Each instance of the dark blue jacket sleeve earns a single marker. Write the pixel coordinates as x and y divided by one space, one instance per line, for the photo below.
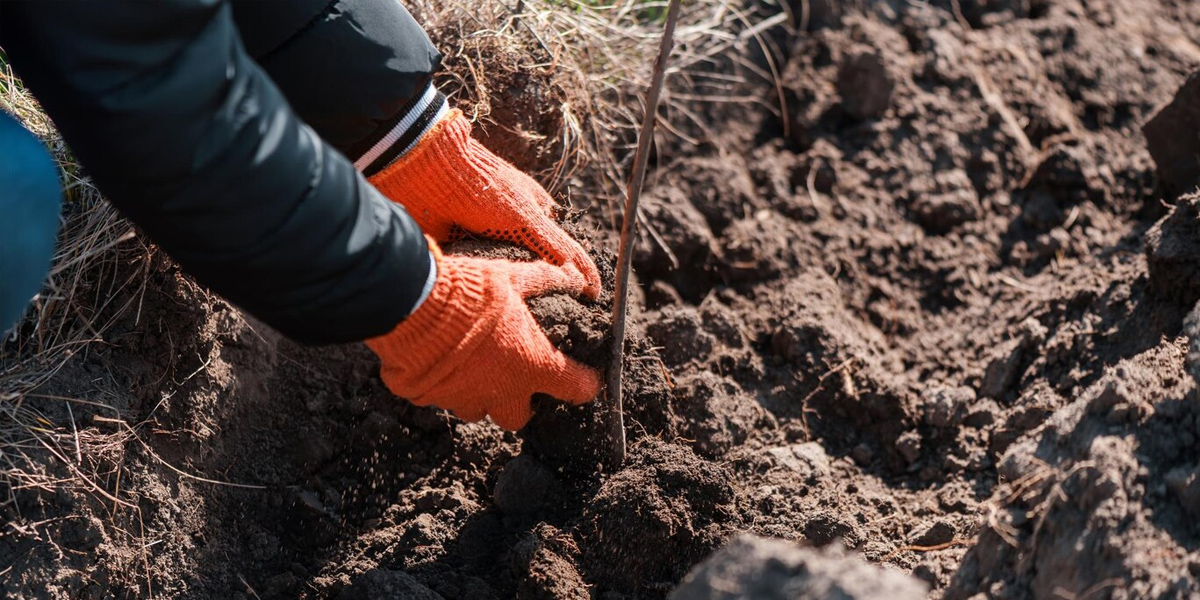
350 68
194 143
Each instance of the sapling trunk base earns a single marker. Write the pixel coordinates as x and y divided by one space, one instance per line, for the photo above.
612 405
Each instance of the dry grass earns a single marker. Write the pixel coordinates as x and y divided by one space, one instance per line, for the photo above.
597 60
98 254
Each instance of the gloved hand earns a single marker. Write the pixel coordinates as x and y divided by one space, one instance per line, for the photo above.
448 179
473 347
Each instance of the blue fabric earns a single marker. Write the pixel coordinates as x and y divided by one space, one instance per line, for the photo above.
30 198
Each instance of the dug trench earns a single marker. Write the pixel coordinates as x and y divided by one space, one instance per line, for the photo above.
926 311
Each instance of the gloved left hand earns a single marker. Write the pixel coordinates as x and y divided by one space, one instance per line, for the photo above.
473 347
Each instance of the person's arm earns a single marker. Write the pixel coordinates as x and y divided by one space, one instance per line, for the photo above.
359 72
189 138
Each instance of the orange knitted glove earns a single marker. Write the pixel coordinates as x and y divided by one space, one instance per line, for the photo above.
450 180
473 347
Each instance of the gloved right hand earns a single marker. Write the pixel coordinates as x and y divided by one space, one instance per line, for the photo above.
473 347
450 180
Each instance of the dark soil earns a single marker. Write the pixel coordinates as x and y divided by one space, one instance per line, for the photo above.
921 311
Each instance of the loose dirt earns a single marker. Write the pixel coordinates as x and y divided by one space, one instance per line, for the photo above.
921 310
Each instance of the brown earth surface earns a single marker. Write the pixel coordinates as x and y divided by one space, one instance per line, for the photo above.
921 310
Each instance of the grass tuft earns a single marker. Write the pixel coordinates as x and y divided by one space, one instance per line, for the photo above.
97 255
589 62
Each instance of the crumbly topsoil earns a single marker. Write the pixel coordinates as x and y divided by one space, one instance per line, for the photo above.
910 311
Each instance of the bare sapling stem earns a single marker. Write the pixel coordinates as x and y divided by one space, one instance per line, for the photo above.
614 413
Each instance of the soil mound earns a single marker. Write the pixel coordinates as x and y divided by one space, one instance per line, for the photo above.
910 298
1101 500
662 513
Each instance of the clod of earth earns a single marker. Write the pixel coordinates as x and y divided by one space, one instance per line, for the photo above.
756 568
1173 251
665 511
1172 142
